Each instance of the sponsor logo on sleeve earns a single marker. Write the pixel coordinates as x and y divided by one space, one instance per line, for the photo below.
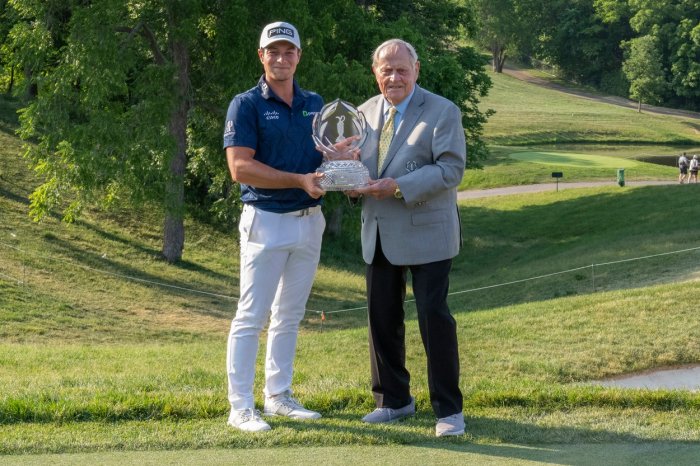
229 128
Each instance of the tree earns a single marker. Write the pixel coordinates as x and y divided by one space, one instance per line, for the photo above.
507 27
643 68
675 26
111 114
573 38
497 29
685 68
132 94
29 46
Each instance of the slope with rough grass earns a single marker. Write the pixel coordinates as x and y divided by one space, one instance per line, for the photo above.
104 348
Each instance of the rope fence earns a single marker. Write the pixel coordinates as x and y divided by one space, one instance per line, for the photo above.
125 277
338 311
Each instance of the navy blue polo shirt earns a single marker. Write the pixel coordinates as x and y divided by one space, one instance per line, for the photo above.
281 138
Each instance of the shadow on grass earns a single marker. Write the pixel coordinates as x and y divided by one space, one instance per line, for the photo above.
497 438
421 428
203 301
545 238
593 453
504 249
14 197
132 243
9 120
137 245
572 234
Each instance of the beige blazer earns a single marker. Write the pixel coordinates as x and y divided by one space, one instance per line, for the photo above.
427 158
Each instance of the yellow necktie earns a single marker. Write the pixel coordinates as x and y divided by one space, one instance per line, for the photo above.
385 138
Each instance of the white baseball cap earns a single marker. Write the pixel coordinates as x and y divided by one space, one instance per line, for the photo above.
280 30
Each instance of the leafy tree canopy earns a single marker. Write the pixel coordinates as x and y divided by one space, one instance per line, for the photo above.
131 95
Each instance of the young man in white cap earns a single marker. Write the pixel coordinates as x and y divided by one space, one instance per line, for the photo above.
270 152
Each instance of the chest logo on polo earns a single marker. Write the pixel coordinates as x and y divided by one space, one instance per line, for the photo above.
271 115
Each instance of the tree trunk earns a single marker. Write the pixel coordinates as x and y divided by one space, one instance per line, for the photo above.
639 106
498 58
174 227
335 221
11 84
32 89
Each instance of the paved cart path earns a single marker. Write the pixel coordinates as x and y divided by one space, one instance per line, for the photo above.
543 187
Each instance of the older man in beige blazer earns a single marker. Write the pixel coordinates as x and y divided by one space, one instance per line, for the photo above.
416 155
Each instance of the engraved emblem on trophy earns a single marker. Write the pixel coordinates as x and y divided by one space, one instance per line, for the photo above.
334 124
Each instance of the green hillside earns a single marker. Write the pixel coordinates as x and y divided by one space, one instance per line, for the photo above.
564 129
527 114
103 347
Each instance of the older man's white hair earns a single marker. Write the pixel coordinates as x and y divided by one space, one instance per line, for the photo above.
395 43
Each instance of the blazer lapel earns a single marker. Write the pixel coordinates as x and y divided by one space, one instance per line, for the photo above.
373 115
408 122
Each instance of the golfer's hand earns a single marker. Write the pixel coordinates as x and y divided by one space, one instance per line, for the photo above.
311 183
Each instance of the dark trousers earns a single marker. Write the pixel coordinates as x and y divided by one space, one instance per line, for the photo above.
386 291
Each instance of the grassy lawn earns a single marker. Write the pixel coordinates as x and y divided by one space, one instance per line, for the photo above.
109 355
512 166
133 366
419 454
534 120
527 115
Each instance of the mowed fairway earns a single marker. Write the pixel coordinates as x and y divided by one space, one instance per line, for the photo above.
427 454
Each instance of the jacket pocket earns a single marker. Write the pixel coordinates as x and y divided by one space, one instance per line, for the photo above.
426 218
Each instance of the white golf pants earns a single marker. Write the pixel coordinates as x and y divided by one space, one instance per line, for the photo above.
279 257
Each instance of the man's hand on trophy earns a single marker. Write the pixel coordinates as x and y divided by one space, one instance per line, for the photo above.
352 193
348 149
382 188
311 183
343 150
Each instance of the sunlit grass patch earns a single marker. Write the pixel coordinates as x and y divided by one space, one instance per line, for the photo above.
570 159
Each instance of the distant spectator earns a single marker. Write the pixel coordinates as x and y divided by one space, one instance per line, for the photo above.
694 169
682 168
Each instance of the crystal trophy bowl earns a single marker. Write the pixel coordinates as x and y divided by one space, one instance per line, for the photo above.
343 175
332 127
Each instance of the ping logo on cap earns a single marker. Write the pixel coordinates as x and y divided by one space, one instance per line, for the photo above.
280 31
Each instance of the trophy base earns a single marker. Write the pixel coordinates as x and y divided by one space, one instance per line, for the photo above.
343 175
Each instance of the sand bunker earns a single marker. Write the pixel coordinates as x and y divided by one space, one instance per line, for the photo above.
678 378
